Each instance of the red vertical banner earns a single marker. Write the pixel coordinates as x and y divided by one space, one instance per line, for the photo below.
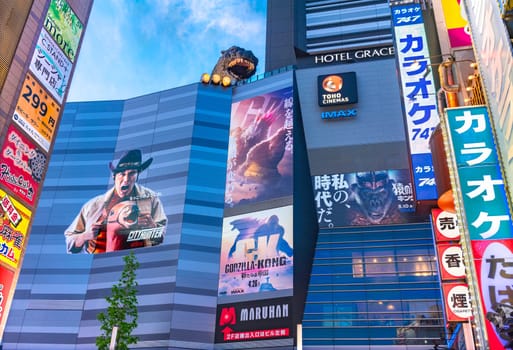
6 283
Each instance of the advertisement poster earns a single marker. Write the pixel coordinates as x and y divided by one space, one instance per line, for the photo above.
364 198
254 320
50 66
22 166
257 252
126 216
260 149
6 283
36 112
14 223
493 260
64 26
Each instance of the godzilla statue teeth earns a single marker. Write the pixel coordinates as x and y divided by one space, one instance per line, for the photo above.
235 64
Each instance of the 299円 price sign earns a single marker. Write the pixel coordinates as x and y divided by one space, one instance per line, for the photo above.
37 112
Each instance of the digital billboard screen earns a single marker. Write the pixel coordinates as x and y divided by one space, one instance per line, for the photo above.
363 198
260 149
257 252
128 215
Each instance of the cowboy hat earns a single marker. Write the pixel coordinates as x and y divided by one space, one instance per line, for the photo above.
130 160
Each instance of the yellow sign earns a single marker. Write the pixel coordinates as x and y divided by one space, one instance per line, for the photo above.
14 224
37 112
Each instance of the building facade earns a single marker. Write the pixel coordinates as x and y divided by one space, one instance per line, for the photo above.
40 42
348 260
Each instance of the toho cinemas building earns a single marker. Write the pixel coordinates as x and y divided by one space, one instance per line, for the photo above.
292 210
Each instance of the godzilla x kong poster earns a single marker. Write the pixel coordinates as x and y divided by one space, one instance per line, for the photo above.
260 149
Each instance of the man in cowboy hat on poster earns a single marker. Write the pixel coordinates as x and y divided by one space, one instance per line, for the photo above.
126 216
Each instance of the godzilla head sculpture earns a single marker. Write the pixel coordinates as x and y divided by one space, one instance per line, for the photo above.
235 64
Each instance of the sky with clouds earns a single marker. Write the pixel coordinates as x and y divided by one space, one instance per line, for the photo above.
132 48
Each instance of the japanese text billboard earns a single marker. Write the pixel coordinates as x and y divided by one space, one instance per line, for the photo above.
260 149
50 66
257 252
364 198
37 113
255 320
419 94
22 166
486 209
64 27
14 224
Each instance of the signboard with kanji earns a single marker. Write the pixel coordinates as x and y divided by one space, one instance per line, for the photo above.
37 112
14 224
457 302
445 225
21 166
419 94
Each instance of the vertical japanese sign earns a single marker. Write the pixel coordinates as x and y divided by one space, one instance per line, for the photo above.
22 166
419 95
37 113
485 206
64 27
51 66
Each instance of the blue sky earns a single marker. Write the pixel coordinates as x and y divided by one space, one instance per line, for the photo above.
132 48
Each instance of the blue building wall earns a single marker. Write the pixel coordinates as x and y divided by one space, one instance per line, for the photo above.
374 286
59 295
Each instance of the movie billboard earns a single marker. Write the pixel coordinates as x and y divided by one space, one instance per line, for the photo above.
419 94
50 66
64 27
14 224
128 215
363 198
22 166
37 113
260 149
257 252
254 320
